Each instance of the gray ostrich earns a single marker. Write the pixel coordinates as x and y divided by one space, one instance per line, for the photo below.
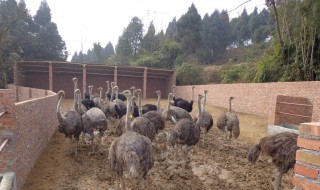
175 112
186 132
132 152
98 100
228 121
69 122
206 117
143 125
156 116
282 148
94 119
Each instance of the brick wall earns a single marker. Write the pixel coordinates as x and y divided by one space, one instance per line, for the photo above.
307 168
256 98
28 133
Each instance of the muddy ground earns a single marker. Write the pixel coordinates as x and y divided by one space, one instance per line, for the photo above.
207 166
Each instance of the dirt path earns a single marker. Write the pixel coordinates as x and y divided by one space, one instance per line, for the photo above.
207 167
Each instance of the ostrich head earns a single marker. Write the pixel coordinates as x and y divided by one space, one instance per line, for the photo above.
75 81
61 94
205 91
158 92
231 98
138 91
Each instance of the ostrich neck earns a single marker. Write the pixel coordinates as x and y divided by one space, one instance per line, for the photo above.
158 103
192 95
139 104
112 93
174 91
74 93
79 104
230 105
90 93
199 107
204 102
129 102
168 102
100 96
58 109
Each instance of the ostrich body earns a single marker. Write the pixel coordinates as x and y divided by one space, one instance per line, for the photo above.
282 148
131 151
184 104
186 132
94 119
155 116
175 112
98 100
70 122
228 121
206 117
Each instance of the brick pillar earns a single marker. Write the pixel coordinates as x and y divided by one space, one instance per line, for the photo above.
115 75
84 78
170 82
7 154
307 168
145 73
50 77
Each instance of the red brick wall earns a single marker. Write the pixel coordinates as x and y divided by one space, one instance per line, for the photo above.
256 98
29 126
307 166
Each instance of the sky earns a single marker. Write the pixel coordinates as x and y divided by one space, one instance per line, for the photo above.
84 22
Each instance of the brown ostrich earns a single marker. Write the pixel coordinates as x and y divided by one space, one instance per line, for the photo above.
186 132
282 148
228 121
69 122
155 116
132 152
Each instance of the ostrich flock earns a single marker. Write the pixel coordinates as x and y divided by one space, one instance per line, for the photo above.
136 126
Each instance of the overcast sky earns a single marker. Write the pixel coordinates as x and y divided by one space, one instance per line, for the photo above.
88 21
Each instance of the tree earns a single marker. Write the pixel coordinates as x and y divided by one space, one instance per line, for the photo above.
12 30
189 28
189 74
149 41
130 41
47 42
172 30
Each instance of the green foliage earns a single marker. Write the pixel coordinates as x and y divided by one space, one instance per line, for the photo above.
241 73
189 74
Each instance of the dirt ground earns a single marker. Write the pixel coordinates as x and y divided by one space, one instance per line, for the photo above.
207 166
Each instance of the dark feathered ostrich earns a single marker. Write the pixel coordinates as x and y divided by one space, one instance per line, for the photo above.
87 100
184 104
132 152
174 98
186 132
228 121
69 122
147 107
282 148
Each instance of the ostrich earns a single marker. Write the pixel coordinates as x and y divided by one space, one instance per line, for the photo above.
119 96
70 122
87 101
282 148
228 121
186 132
118 101
155 116
207 120
94 119
174 94
184 104
143 125
147 107
175 112
132 152
121 126
108 93
98 100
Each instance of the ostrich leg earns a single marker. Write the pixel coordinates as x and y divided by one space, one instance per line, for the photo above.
277 180
122 184
225 137
141 184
